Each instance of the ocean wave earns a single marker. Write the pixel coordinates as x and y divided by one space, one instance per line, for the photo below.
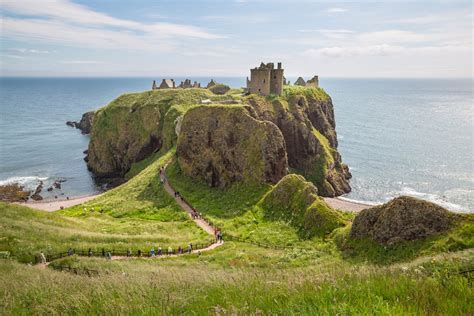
358 201
434 198
29 182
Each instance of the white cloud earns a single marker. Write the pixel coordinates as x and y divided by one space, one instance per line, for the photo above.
336 10
393 36
247 18
68 23
382 50
82 62
30 51
329 33
350 51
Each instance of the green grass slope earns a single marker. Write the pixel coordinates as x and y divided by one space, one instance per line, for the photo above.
239 280
294 200
138 215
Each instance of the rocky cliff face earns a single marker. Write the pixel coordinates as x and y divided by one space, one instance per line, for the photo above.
221 144
85 124
306 118
134 126
224 144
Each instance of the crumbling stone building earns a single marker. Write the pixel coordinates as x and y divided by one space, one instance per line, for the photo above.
313 82
266 80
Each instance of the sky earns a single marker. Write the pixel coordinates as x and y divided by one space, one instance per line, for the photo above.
408 39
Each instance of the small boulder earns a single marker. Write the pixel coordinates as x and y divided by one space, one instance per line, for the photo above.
13 193
403 218
219 89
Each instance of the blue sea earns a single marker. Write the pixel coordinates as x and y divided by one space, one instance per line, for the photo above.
398 136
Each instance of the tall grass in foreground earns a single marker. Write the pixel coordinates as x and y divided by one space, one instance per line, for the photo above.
193 286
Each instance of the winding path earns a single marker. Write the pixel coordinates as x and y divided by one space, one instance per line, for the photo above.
186 207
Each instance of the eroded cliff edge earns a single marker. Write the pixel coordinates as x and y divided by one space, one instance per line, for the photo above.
265 137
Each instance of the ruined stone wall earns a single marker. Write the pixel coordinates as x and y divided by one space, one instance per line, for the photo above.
276 81
260 81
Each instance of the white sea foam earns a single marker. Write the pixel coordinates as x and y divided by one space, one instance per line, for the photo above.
358 201
29 182
442 201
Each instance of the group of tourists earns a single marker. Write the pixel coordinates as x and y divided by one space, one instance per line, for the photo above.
195 214
218 235
170 251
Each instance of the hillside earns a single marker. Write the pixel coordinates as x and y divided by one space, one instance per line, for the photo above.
134 126
236 164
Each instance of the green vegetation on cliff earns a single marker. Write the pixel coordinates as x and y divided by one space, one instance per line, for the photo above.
135 126
295 200
313 265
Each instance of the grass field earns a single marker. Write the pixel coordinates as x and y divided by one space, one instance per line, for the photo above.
326 275
238 279
137 215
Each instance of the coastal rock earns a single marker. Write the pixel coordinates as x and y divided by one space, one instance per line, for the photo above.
294 200
305 116
36 195
13 193
85 124
134 126
71 123
403 218
222 145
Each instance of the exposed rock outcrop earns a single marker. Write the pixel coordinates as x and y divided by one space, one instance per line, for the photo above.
224 144
295 200
13 193
403 218
134 126
85 124
306 118
36 195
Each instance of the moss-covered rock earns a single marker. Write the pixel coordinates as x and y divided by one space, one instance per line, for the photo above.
306 118
403 218
134 126
219 89
223 144
295 200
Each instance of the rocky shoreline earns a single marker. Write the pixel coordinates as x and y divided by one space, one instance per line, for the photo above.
15 192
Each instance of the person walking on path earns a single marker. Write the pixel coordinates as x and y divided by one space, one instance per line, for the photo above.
160 252
170 251
129 252
152 252
89 253
190 248
42 258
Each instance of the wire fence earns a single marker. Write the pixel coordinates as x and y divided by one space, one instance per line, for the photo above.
154 252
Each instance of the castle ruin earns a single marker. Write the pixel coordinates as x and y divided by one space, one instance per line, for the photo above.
186 84
266 80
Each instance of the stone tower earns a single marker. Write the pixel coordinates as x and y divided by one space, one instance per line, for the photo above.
266 80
